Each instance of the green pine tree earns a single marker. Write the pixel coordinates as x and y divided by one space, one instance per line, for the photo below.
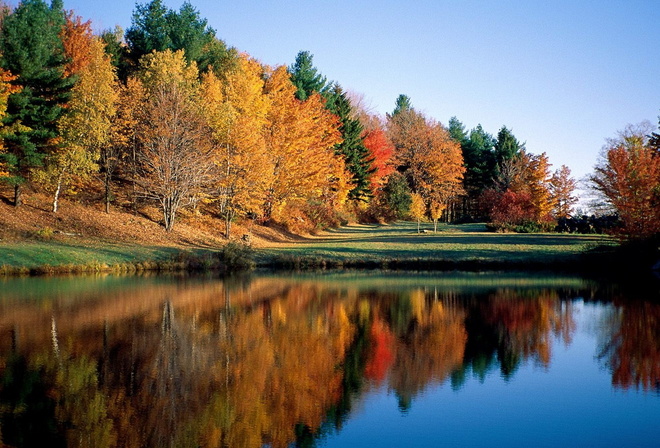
507 146
156 27
457 130
306 77
479 159
402 104
356 155
32 50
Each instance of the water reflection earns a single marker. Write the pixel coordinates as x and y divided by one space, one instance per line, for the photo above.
255 361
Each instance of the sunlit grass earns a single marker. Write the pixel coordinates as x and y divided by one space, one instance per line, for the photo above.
453 243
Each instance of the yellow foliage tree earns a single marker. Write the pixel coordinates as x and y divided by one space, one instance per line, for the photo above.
168 67
300 140
417 208
539 186
85 128
123 135
236 110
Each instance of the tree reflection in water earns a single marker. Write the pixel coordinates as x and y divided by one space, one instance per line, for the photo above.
274 361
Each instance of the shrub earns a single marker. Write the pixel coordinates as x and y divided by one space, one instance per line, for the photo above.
236 256
45 234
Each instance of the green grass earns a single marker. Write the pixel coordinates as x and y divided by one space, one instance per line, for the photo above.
397 245
453 244
35 254
54 257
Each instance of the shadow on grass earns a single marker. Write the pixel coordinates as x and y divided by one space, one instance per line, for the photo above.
466 239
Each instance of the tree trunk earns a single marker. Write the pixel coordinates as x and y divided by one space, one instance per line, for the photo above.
418 226
107 189
56 198
169 212
18 195
227 224
435 226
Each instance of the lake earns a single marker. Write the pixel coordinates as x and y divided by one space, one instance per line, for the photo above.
385 359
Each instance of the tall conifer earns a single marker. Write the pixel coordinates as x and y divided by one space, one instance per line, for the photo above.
32 50
306 77
358 159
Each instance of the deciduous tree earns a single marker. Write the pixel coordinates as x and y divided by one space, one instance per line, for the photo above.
562 188
85 129
381 152
237 111
301 139
628 178
427 155
417 208
174 146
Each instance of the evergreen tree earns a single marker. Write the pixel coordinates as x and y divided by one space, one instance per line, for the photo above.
654 140
402 104
507 146
479 157
306 77
397 195
356 154
155 27
119 55
32 50
457 130
149 30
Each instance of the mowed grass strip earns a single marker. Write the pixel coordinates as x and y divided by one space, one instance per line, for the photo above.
454 243
34 254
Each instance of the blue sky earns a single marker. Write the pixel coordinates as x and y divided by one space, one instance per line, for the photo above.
562 74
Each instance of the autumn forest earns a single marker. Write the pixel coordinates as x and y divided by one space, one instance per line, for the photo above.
167 114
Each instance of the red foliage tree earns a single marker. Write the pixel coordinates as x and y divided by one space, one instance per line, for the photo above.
509 207
381 150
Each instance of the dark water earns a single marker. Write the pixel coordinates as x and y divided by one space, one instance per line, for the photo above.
337 360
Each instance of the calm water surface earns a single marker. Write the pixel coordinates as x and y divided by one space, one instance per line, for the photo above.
333 360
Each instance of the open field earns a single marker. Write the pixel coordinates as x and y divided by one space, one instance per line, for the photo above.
453 244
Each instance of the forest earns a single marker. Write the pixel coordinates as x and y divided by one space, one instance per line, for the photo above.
167 114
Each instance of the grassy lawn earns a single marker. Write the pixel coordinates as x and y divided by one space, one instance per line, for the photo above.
355 245
454 243
55 253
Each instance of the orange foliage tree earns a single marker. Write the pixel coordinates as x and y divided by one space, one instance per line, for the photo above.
628 178
300 138
430 158
174 148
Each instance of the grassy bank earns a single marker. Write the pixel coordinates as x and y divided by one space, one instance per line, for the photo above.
399 246
395 246
55 257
